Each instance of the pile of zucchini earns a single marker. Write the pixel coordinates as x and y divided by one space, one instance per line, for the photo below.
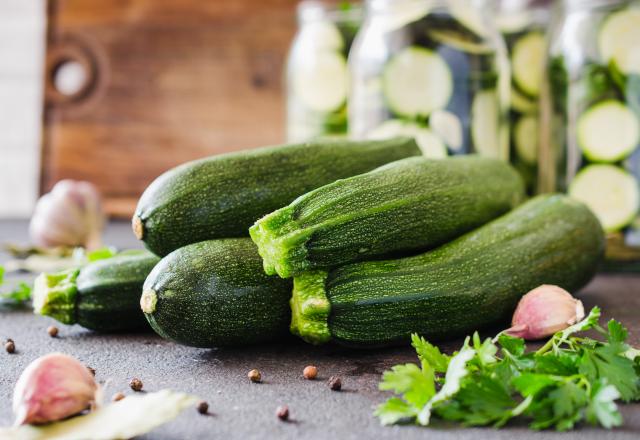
369 245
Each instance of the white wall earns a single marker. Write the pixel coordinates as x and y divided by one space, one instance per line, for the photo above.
22 52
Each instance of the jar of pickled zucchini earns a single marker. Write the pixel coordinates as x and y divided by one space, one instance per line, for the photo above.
432 69
523 25
591 117
317 80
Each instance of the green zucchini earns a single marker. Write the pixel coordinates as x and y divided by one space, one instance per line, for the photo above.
618 40
221 196
611 192
215 293
102 296
409 205
463 286
608 132
527 61
417 81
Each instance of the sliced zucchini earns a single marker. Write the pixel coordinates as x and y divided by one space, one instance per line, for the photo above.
521 103
525 137
618 40
401 14
447 126
527 62
417 81
485 123
611 192
431 145
321 82
608 131
321 35
513 21
468 15
452 38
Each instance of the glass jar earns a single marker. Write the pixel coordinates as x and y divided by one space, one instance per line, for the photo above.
316 73
591 117
434 70
523 25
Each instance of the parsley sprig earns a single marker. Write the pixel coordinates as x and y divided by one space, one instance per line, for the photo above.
18 296
571 379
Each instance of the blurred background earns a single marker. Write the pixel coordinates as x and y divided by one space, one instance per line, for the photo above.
117 91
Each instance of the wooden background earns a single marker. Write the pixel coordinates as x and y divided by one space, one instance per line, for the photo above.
169 81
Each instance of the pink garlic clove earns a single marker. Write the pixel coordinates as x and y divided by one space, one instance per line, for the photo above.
544 311
70 215
52 388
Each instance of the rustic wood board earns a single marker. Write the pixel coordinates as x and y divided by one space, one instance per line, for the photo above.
169 81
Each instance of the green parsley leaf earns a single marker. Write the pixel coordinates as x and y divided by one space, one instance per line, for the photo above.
617 332
415 385
609 362
602 408
394 410
485 351
430 354
455 373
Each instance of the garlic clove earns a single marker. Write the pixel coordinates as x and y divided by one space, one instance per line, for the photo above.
70 215
544 311
51 388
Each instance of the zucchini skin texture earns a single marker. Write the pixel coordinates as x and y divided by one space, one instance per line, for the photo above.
410 205
215 293
221 196
470 283
109 291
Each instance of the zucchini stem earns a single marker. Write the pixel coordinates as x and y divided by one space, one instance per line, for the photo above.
310 308
54 295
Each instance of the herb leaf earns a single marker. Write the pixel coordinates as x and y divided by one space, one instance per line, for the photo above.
572 379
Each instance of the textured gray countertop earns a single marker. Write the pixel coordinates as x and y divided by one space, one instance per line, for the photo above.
246 411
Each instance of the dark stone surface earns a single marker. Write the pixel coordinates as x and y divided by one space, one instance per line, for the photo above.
245 410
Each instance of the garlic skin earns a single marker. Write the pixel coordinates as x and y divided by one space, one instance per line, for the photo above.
53 387
70 215
544 311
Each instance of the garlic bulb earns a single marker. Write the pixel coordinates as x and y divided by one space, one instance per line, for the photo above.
51 388
544 311
70 215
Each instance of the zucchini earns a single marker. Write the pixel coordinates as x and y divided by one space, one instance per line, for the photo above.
321 81
525 137
431 145
485 124
618 40
608 131
611 192
102 296
417 81
221 196
448 127
215 293
466 285
527 62
409 205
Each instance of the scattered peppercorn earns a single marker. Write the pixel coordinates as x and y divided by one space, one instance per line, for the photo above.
254 375
10 346
283 412
203 407
335 383
136 384
310 372
53 331
92 370
117 397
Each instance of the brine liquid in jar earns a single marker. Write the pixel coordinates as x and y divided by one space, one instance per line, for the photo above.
433 70
317 79
592 105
